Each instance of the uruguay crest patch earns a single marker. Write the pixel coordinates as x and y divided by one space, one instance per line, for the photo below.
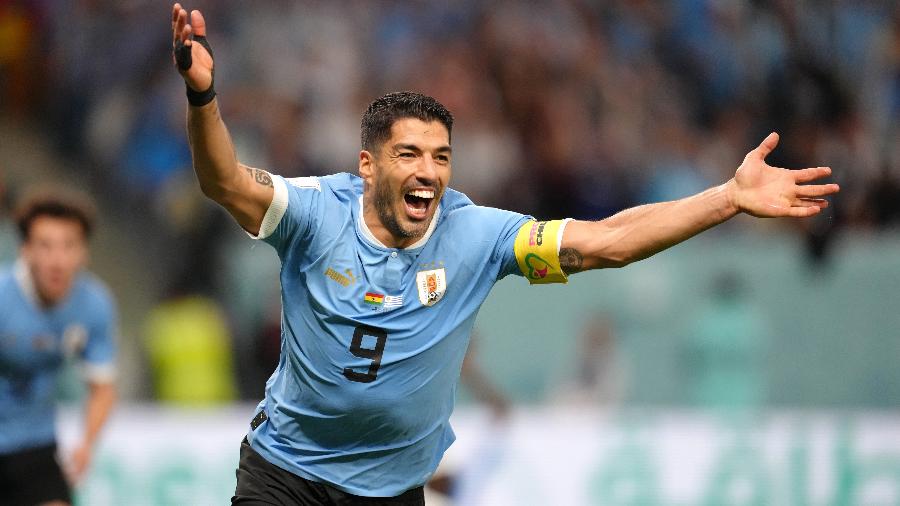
431 285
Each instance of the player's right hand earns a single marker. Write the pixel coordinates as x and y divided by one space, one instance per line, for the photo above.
196 67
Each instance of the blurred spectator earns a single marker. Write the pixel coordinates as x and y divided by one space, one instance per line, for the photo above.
600 373
454 482
189 348
19 77
155 147
474 379
724 349
882 200
9 242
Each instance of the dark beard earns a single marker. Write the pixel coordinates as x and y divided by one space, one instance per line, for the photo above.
382 202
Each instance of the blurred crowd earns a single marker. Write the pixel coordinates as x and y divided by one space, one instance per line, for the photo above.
573 108
564 107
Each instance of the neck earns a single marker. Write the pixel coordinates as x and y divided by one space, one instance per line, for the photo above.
45 301
30 288
380 231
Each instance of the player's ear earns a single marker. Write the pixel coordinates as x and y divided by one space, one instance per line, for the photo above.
366 166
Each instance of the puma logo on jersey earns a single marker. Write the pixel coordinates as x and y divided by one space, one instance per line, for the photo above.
345 279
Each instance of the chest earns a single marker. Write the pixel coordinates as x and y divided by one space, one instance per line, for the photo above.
30 338
384 280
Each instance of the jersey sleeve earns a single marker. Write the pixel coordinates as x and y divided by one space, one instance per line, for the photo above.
99 352
294 212
525 247
505 225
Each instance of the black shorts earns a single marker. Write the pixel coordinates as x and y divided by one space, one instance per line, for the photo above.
261 482
32 476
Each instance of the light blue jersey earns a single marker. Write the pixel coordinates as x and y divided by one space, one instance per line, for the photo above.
35 341
373 337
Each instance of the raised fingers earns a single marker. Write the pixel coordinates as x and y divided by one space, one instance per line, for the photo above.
177 20
807 175
766 146
186 35
179 24
816 190
198 23
803 212
820 203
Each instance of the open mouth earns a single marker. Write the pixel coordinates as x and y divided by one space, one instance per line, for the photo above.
417 203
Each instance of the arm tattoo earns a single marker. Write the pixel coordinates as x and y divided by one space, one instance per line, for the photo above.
570 260
260 176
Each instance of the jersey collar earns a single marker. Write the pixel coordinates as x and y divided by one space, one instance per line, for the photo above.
25 282
364 229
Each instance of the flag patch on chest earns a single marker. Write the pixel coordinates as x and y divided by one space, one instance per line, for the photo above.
381 302
393 300
376 299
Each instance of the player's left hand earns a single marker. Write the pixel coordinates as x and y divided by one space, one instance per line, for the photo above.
764 191
78 463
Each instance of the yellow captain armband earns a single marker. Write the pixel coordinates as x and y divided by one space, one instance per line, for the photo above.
537 251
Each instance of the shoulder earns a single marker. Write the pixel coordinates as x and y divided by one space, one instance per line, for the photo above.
6 274
459 213
458 207
94 295
339 182
7 280
342 186
342 181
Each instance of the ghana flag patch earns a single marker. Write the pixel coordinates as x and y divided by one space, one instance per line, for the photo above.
376 299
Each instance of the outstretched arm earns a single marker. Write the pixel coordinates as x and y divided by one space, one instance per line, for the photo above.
244 191
757 189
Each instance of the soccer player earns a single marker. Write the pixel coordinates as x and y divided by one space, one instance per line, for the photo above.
383 273
50 310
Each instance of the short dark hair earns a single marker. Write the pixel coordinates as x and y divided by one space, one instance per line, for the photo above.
57 203
383 112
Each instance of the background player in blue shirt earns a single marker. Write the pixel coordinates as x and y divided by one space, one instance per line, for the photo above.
50 310
383 274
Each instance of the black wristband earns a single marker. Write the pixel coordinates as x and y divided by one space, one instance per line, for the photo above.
200 98
184 60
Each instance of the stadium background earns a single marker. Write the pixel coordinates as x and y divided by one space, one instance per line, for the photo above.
755 364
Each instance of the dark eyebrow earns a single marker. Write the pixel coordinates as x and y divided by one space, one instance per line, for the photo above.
417 149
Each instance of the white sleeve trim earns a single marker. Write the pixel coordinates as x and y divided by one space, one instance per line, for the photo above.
559 234
99 373
275 211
